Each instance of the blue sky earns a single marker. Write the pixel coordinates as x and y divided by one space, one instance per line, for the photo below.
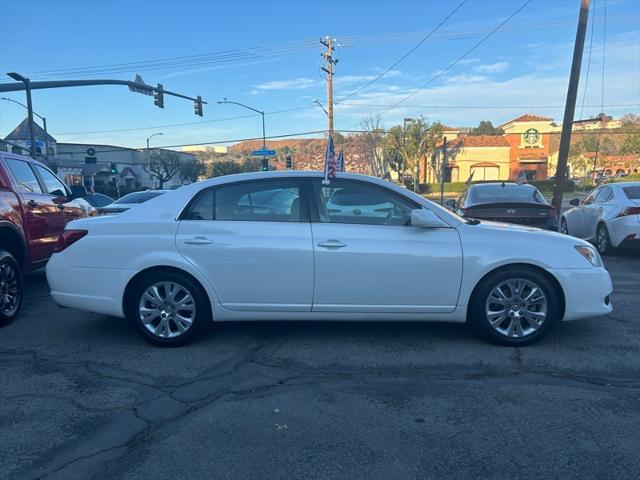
271 61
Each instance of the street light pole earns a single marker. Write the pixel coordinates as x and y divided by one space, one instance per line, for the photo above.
264 135
149 138
44 124
27 86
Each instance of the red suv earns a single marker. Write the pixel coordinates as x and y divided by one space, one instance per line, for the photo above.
35 205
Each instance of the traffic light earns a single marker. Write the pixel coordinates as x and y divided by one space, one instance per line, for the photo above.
114 169
158 96
197 106
265 164
288 161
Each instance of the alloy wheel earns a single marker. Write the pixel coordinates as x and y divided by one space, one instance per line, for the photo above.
167 309
516 308
563 227
9 288
602 240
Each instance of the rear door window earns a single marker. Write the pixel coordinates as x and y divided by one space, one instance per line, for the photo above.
52 183
633 192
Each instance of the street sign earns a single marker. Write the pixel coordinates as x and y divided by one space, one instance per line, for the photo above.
263 152
141 87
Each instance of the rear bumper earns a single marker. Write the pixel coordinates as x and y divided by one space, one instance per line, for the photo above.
98 290
620 229
586 291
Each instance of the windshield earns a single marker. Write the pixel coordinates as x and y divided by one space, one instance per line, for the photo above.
138 197
509 193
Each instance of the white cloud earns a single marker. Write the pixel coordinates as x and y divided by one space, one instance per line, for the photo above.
492 67
292 84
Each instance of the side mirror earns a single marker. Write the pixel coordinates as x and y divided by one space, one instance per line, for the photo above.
451 204
424 218
574 201
78 191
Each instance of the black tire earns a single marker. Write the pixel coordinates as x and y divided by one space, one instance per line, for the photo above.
564 229
479 320
11 288
199 321
603 242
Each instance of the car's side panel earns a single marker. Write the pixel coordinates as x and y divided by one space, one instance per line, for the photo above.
256 266
384 268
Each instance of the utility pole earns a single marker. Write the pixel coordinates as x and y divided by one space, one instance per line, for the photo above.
569 111
443 169
27 87
328 57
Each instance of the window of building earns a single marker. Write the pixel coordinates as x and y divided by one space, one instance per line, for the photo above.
90 160
16 150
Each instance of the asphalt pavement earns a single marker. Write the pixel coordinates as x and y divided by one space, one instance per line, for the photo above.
83 396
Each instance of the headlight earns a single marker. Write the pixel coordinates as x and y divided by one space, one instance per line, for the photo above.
590 254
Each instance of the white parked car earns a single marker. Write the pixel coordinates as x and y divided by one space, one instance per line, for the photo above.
130 200
609 217
265 246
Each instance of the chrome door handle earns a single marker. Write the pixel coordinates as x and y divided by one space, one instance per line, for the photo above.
198 241
332 244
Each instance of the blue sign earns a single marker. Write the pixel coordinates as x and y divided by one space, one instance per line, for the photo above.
264 153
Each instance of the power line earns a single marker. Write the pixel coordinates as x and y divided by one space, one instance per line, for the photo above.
459 59
319 132
415 47
170 125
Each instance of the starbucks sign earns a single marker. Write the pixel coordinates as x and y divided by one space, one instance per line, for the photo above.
531 136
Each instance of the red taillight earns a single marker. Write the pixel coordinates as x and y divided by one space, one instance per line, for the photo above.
629 211
69 237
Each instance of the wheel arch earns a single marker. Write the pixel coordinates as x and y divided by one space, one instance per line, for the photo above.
527 266
13 242
128 290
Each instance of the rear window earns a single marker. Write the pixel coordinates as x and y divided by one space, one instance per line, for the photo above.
138 197
632 193
508 193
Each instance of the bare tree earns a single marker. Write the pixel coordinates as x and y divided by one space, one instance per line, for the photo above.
162 166
191 170
371 143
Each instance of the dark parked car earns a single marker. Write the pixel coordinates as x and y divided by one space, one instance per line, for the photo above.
98 200
506 202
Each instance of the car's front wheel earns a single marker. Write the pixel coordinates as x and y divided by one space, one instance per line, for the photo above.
10 287
169 308
515 307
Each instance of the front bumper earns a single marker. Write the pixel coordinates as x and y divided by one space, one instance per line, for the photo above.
586 291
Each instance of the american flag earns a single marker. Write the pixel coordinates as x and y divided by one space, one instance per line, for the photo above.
341 161
330 166
522 178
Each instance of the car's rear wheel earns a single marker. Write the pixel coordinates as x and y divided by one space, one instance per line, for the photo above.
563 227
603 243
10 287
515 307
169 308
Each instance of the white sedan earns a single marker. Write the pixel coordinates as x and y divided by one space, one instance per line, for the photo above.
608 217
265 246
